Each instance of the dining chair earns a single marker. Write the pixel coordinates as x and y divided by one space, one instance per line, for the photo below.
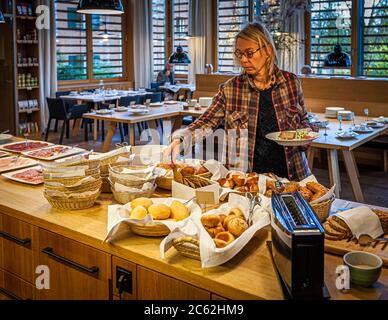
59 112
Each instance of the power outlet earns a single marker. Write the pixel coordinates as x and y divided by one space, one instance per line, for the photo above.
123 280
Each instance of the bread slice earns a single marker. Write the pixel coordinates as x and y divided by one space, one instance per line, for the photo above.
333 233
287 135
339 225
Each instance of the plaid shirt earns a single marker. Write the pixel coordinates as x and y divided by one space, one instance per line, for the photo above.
236 105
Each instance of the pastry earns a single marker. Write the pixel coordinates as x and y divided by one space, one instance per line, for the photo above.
242 189
316 187
291 186
225 236
237 226
252 175
254 188
222 218
268 193
188 170
210 220
306 193
287 135
214 231
139 213
227 219
220 243
160 211
202 170
271 184
238 179
236 212
252 181
317 196
178 211
144 202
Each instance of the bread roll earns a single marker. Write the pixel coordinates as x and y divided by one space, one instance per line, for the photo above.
210 220
222 217
188 170
236 212
139 213
220 243
225 236
227 219
144 202
254 188
237 226
159 211
179 211
238 179
306 193
202 170
214 231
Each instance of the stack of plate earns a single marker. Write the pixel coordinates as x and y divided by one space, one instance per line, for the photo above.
331 112
345 114
205 101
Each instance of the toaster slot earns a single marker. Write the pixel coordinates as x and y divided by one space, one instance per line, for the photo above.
295 212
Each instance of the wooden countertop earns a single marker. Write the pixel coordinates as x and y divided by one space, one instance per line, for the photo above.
250 275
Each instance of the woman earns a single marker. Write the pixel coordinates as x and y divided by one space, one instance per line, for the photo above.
262 99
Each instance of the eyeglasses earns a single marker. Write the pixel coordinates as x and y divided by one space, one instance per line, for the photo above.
248 53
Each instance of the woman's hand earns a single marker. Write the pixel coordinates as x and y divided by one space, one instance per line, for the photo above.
172 151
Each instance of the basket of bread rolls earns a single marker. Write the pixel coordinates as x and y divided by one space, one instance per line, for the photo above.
165 175
219 234
155 217
241 182
192 176
311 192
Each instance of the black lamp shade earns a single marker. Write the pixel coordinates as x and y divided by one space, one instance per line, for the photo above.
337 59
100 7
179 57
2 20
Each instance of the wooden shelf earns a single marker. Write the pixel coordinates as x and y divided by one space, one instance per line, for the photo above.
29 88
29 110
27 41
26 17
22 65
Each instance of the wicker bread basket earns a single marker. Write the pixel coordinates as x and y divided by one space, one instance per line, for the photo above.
89 186
322 209
193 181
151 230
188 247
125 197
72 203
164 182
68 181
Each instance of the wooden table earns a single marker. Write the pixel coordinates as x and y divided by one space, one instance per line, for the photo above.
173 112
346 146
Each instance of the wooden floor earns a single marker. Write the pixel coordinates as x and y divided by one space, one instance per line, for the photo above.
374 182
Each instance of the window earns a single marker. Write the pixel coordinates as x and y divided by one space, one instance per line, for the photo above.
107 47
181 30
71 40
375 46
232 16
84 55
330 25
268 11
158 35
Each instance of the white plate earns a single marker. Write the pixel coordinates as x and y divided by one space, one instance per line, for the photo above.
4 137
138 111
360 129
67 152
9 175
121 109
19 164
4 147
381 119
346 134
373 124
170 102
104 111
156 104
274 136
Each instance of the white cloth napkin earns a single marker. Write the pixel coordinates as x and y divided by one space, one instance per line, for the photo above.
362 220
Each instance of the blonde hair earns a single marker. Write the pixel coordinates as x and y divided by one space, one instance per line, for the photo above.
258 33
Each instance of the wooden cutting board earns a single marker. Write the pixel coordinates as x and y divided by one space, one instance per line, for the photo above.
344 246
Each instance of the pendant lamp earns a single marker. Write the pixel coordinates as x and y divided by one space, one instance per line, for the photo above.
179 56
100 7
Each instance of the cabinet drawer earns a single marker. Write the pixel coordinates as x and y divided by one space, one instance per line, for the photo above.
77 271
155 286
17 248
121 264
12 287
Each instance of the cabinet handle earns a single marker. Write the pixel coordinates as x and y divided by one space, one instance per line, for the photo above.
50 252
23 242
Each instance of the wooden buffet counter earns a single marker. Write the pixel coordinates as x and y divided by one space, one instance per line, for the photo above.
33 232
